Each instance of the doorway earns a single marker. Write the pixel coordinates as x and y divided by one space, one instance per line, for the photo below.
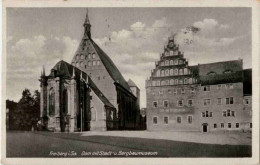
205 127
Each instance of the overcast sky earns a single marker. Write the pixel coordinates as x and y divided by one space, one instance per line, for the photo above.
132 37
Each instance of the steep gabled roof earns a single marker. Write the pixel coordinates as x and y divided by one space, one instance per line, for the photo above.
110 67
65 69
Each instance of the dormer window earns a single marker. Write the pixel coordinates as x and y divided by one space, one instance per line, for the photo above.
227 71
211 73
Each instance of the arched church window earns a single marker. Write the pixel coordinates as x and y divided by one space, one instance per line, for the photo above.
82 56
167 72
162 73
93 114
65 101
171 62
77 64
166 63
158 73
89 63
94 63
93 55
81 64
171 72
51 102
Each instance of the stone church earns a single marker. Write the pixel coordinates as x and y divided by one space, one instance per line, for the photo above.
88 94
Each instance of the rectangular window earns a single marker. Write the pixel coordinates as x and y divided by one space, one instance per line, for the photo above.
222 125
155 120
190 103
210 114
203 114
206 102
219 101
165 104
233 113
246 101
180 103
237 125
178 119
155 104
182 91
229 86
165 120
189 119
229 125
215 125
207 114
224 113
229 100
228 112
206 88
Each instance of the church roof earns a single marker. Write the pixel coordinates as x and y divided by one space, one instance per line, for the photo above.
64 69
110 66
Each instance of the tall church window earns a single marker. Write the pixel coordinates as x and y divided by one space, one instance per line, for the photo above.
158 73
162 73
166 63
181 72
51 102
82 56
93 55
167 72
171 62
171 72
81 64
65 101
89 63
94 63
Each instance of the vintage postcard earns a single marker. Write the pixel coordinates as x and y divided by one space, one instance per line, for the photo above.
112 82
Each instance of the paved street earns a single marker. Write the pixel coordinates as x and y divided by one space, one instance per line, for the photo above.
47 144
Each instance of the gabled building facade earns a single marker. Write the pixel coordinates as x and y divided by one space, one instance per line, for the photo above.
205 97
115 102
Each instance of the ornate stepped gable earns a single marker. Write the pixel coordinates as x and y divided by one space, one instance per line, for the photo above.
89 54
173 68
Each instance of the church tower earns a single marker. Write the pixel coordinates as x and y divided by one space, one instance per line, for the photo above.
87 27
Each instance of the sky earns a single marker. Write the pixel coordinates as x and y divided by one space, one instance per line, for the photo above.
132 37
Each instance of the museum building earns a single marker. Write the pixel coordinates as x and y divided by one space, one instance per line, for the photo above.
205 97
88 94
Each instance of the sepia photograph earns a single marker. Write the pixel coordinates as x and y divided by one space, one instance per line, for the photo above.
129 82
